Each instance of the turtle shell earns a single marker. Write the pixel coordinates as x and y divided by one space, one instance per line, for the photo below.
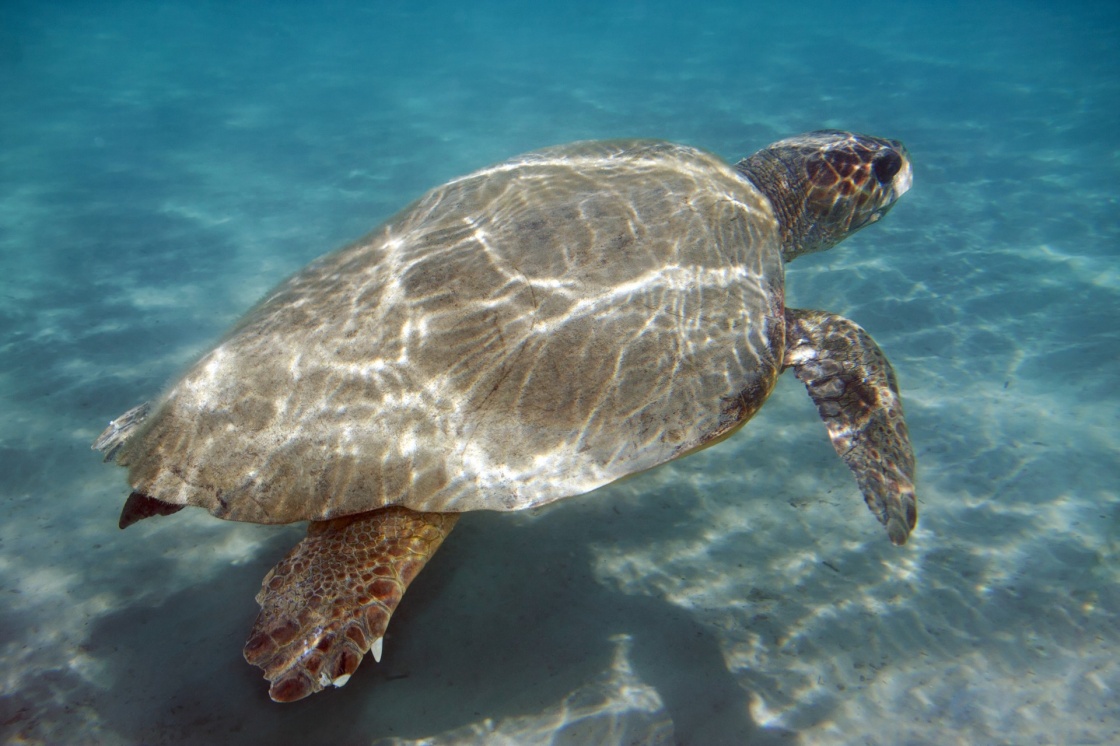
528 332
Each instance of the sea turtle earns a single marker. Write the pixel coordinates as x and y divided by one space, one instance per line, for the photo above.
522 334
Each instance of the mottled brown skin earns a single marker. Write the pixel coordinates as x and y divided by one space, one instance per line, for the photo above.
854 387
522 334
824 186
331 597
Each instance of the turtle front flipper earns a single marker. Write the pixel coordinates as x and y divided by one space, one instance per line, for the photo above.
854 388
330 599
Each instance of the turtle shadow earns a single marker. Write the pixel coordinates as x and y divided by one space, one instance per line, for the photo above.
532 625
507 621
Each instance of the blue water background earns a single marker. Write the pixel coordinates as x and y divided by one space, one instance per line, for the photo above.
163 164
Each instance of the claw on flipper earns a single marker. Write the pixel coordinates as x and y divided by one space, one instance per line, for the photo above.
330 599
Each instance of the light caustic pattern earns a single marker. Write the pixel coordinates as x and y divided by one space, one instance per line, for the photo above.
528 332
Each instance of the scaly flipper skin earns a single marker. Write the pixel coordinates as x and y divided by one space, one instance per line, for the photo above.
854 388
330 599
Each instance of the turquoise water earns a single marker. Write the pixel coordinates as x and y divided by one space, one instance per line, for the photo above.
162 165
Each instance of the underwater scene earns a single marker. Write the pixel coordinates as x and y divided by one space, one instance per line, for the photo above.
164 165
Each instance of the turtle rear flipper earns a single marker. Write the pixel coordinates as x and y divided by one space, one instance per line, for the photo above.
119 430
853 385
329 601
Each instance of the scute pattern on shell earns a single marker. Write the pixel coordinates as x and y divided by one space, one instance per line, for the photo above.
528 332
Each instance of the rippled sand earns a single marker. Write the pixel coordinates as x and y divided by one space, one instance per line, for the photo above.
163 166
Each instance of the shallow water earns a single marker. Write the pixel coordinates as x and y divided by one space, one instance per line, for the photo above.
162 165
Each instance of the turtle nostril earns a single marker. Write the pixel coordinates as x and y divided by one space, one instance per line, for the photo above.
886 165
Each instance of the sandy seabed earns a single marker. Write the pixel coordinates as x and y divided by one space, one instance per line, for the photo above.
163 166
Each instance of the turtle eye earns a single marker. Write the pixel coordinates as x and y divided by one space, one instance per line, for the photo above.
886 165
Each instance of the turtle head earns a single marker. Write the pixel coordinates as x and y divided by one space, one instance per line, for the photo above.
828 184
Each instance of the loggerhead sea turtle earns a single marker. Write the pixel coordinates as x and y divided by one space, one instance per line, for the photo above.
525 333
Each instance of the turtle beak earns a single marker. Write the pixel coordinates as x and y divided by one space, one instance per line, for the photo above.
904 179
897 185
